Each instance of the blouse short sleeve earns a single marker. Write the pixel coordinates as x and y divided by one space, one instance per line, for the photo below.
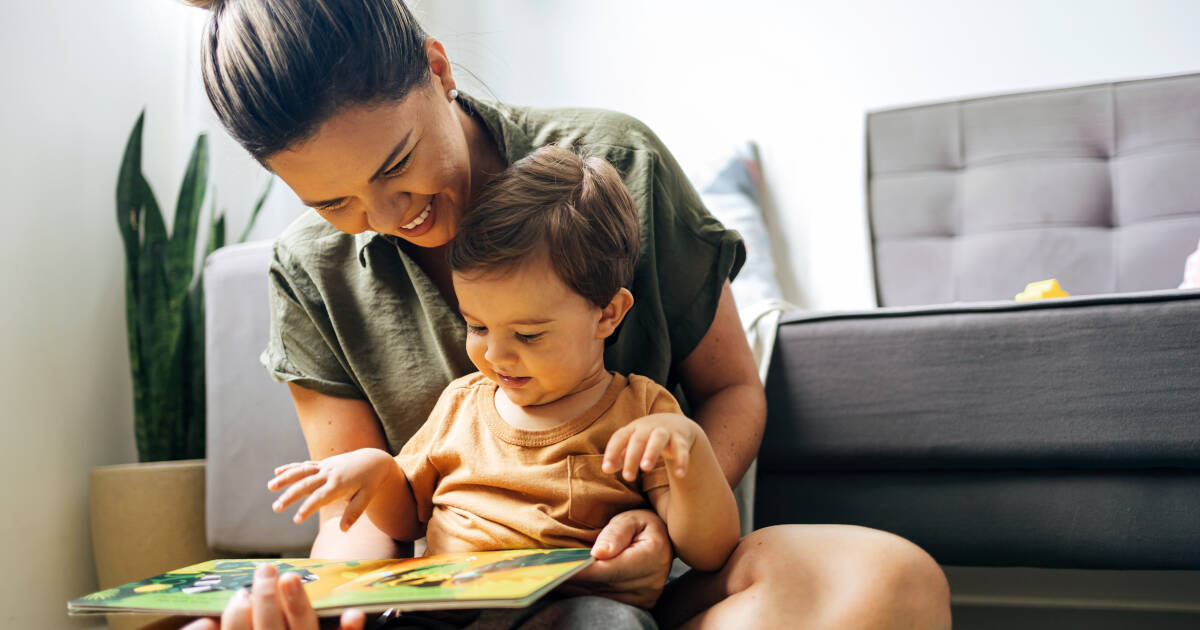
297 350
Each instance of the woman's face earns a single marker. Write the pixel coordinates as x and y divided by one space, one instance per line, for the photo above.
401 168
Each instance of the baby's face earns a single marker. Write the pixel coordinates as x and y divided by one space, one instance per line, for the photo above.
530 333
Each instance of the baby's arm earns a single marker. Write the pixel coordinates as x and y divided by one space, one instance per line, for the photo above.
698 505
369 478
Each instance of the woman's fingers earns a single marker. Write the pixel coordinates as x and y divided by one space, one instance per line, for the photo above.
237 612
204 623
615 537
267 610
353 619
296 608
305 486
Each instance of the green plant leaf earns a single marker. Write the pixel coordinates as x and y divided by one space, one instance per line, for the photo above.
262 198
129 221
216 234
158 324
181 249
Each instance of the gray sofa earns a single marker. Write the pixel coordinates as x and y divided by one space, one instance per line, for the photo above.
1056 434
1060 433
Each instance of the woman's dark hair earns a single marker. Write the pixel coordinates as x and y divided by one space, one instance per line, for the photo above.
574 210
275 70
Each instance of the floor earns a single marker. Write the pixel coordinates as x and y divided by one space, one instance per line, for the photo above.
1057 599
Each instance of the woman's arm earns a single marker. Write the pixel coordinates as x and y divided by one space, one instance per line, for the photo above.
721 382
333 426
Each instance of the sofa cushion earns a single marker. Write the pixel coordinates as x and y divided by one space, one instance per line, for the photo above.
1092 185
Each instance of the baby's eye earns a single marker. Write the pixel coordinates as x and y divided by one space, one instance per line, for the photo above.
527 338
476 330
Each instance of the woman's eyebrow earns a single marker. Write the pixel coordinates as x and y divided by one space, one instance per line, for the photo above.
391 156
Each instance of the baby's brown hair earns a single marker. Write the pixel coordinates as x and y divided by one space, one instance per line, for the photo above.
573 209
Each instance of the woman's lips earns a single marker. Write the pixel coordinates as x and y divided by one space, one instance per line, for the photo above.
423 221
513 381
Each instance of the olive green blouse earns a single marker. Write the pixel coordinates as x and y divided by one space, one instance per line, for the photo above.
354 316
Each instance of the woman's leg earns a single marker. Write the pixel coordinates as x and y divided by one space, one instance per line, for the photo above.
814 576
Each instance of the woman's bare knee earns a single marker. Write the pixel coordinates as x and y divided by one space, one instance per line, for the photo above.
850 576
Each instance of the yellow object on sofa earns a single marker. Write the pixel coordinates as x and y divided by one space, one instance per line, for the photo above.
1041 290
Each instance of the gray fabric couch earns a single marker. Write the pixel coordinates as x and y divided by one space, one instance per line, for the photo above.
1059 433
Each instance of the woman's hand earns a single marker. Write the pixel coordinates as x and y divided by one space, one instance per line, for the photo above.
354 476
640 443
633 558
274 604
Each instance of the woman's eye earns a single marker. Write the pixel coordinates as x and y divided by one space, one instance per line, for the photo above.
476 330
528 338
400 166
329 209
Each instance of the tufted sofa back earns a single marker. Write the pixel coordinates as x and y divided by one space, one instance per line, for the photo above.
1097 186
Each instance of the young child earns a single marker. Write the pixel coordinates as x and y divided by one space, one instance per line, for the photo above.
543 445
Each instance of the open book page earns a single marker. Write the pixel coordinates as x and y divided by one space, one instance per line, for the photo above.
486 579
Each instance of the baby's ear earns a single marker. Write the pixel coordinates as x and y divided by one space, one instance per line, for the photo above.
612 314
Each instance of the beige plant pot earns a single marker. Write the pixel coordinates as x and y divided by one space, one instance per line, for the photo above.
146 519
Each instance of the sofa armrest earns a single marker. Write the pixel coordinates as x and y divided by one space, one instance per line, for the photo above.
1013 424
251 423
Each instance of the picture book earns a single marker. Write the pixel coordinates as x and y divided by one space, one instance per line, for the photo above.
485 579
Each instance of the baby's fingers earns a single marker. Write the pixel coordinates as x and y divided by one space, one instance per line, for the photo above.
355 508
326 494
677 455
305 486
633 453
291 473
614 452
654 447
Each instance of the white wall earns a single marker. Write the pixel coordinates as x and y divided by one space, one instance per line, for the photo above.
75 75
798 77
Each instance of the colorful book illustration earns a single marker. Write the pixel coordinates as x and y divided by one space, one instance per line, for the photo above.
484 579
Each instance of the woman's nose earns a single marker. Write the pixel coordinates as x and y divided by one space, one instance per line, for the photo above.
387 212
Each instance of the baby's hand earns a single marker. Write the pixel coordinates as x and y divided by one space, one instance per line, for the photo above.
355 476
641 442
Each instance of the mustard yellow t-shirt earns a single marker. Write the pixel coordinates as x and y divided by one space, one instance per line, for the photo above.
483 484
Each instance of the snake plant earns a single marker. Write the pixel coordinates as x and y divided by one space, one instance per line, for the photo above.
164 304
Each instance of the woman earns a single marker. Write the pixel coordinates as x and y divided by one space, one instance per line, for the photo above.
356 109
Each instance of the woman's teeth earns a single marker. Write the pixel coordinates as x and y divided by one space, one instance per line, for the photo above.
420 217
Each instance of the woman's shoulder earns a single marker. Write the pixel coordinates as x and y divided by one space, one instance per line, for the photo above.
609 134
603 132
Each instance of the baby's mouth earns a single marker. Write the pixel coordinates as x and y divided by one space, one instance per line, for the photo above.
512 381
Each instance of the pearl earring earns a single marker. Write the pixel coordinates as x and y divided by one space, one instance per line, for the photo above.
452 93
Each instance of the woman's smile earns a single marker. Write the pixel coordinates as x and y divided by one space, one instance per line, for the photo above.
422 223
